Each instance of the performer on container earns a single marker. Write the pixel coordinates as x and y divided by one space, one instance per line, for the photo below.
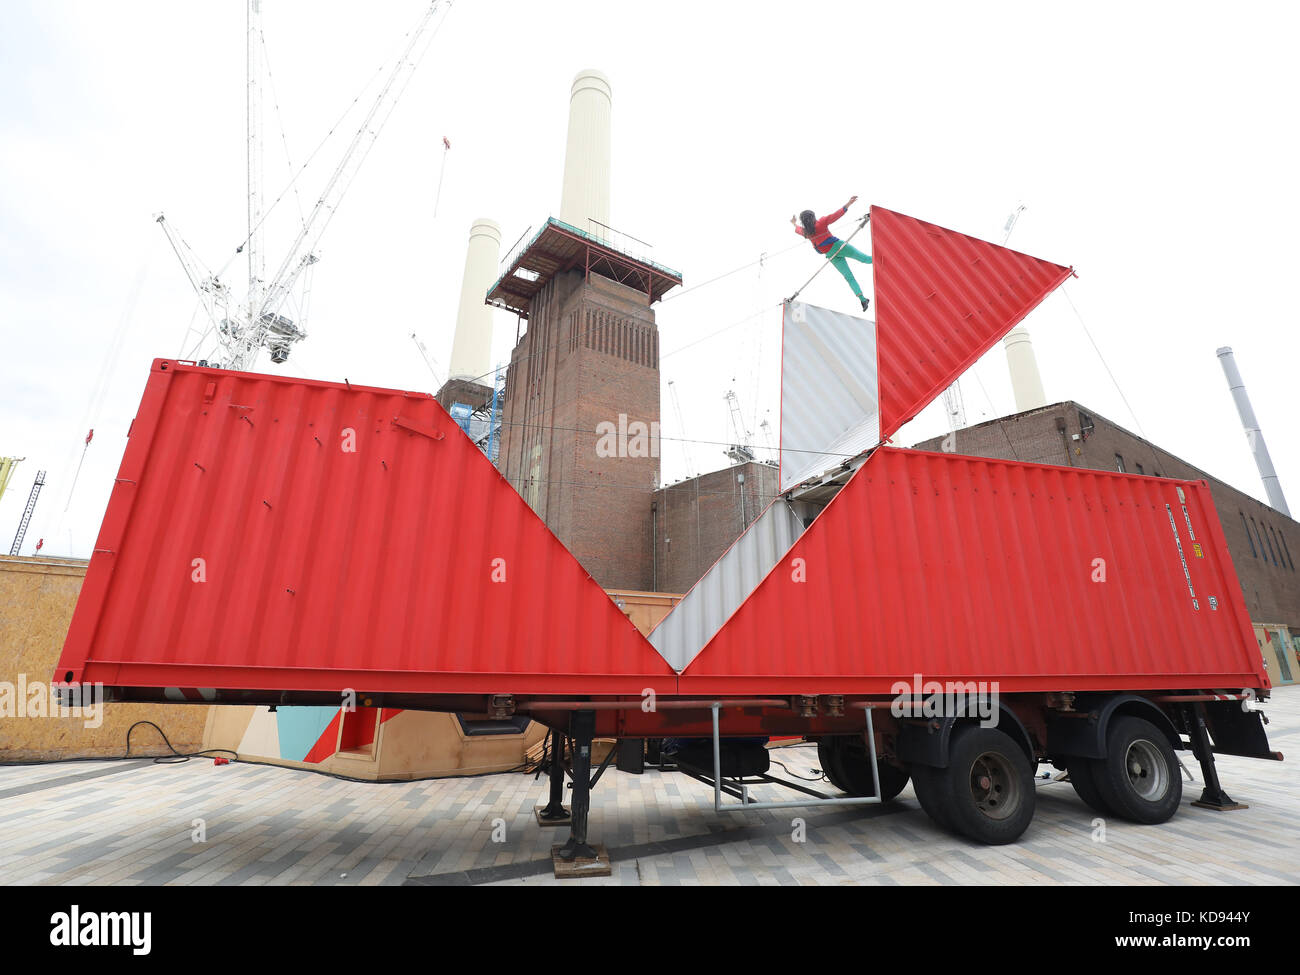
836 251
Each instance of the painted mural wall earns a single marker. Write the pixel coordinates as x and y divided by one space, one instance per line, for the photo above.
1280 649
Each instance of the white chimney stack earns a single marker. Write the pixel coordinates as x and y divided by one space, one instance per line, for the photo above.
471 348
1254 435
585 197
1026 384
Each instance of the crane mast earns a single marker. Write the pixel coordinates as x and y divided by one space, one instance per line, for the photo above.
253 246
242 329
740 452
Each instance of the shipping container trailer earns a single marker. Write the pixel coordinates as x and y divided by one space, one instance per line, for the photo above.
948 620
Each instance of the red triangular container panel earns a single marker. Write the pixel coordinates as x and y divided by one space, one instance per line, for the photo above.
942 299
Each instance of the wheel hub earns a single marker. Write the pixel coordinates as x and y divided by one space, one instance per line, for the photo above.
1147 772
994 786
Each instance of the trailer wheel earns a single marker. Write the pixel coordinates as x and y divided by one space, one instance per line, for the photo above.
845 761
926 784
1139 779
829 757
987 790
1085 784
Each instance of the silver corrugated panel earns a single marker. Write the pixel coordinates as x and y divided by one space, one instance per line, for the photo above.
830 397
692 623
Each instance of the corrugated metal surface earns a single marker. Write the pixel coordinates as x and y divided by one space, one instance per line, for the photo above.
683 633
942 300
963 568
830 406
324 568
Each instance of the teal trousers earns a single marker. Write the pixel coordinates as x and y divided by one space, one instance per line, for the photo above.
839 256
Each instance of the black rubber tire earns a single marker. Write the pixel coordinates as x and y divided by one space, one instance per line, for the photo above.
987 791
829 758
925 783
845 761
855 769
893 780
1139 759
1085 784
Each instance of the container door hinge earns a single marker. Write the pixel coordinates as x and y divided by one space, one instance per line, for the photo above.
413 427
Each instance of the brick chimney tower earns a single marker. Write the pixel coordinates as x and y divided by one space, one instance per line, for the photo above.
580 432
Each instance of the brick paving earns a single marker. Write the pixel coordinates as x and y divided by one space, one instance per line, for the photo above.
133 823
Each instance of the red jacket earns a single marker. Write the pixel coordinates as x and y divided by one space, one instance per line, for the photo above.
823 239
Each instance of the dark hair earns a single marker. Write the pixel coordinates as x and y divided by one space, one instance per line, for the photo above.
809 221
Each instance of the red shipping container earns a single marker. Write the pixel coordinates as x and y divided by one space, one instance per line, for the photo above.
959 568
281 534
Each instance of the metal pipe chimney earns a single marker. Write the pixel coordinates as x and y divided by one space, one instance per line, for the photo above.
585 196
1026 383
1254 436
471 348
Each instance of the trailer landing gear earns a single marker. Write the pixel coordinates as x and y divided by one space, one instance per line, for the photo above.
554 813
578 858
1212 796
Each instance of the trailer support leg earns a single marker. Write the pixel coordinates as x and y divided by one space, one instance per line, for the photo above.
1212 796
554 813
577 858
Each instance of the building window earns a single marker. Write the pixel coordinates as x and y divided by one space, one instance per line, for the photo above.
1277 544
1287 551
1085 425
1119 463
1263 542
1249 540
1139 468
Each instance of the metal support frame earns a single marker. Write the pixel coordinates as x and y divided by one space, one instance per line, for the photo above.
739 786
554 813
582 729
609 758
621 272
1212 796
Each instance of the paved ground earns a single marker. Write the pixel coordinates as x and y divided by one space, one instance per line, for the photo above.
133 823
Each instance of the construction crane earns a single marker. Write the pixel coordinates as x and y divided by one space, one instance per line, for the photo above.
681 425
236 331
766 427
740 452
953 405
27 513
435 369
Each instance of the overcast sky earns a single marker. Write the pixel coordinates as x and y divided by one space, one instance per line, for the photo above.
1154 146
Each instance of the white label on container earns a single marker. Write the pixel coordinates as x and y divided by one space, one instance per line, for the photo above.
1173 525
